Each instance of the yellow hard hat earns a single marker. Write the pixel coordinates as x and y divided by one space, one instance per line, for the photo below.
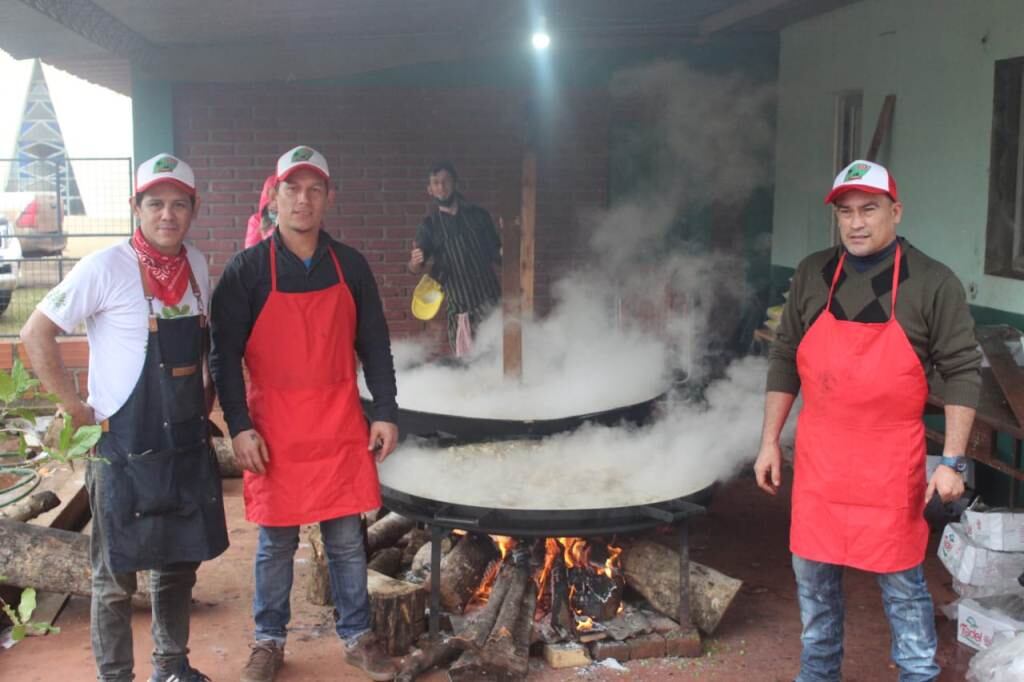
427 298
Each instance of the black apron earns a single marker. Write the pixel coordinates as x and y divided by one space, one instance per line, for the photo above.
159 485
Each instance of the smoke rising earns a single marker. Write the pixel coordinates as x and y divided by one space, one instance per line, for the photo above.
646 309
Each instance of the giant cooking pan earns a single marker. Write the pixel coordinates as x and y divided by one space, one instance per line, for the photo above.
460 429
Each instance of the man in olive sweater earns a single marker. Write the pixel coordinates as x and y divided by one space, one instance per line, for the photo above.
864 324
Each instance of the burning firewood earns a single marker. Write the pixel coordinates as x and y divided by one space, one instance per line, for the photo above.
475 633
653 571
386 532
463 569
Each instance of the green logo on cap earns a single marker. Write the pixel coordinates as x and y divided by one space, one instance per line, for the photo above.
165 164
856 172
302 154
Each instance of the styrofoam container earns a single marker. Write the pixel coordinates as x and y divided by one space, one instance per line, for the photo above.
980 620
972 564
997 529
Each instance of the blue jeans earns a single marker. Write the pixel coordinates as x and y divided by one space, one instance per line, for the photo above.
346 564
908 606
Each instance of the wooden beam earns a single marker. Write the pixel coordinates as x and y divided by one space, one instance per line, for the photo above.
528 221
882 127
511 302
1009 375
737 13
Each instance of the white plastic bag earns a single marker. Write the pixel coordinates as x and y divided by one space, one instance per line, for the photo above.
1002 662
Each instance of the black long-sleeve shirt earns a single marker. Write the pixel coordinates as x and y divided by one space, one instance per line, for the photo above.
243 290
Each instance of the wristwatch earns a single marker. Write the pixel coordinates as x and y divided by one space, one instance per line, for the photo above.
957 463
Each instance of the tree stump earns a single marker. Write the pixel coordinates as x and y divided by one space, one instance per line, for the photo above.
318 587
397 612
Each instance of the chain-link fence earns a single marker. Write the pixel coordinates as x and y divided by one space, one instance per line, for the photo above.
51 215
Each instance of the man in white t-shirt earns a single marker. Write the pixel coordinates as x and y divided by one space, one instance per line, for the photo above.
155 493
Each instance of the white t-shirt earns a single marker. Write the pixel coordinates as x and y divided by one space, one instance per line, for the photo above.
105 291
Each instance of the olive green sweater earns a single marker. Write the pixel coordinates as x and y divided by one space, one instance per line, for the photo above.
930 306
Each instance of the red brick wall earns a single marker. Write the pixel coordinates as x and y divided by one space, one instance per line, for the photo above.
379 143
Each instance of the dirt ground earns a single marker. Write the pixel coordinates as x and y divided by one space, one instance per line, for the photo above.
744 535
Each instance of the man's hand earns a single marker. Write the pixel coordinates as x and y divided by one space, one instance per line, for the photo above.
947 483
416 260
383 439
81 414
251 451
768 468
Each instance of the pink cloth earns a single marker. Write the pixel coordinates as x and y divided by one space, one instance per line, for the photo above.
463 336
254 229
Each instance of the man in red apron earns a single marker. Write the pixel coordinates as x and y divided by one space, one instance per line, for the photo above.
298 308
863 324
155 494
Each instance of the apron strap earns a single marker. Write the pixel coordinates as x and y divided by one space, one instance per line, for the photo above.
337 265
149 296
196 293
835 278
895 280
273 265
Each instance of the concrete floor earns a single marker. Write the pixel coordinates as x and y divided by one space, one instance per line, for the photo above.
744 535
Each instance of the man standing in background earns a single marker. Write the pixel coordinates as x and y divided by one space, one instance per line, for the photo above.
463 244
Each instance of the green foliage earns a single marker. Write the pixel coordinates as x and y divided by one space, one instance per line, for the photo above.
21 617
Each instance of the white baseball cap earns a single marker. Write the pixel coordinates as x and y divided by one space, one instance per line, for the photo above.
165 168
302 157
865 176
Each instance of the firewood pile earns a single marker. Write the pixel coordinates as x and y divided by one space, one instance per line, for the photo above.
503 601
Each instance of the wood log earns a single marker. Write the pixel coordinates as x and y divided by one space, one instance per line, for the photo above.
561 615
387 561
32 506
422 660
411 543
463 568
397 611
318 585
386 531
653 571
44 558
499 651
226 462
421 562
476 632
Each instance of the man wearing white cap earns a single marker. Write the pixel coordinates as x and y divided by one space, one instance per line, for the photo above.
299 308
155 494
863 325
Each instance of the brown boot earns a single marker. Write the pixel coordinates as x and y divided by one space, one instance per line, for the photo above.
368 655
264 661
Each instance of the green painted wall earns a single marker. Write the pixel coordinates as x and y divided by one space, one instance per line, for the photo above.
937 57
152 116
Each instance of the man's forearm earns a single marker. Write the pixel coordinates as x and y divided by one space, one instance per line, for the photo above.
958 429
44 355
777 405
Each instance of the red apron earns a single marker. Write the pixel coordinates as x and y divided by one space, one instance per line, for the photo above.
858 488
304 401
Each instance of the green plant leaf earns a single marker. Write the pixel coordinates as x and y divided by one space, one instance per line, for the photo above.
51 397
66 432
26 414
23 381
27 604
7 388
84 439
22 446
18 632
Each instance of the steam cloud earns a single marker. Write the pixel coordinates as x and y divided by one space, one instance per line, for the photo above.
619 330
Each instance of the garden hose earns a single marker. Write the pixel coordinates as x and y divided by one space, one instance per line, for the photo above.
29 479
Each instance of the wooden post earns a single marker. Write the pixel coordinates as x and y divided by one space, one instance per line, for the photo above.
528 224
511 303
882 127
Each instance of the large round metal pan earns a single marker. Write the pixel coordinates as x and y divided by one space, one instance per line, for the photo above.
545 522
457 429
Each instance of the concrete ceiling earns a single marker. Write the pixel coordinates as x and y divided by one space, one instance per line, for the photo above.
240 40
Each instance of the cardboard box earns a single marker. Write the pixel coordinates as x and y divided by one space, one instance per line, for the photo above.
997 529
980 620
932 461
974 591
972 564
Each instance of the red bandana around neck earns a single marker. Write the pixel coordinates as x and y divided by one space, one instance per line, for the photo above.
167 276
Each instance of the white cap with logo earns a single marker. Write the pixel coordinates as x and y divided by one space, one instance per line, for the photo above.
864 176
165 168
302 157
